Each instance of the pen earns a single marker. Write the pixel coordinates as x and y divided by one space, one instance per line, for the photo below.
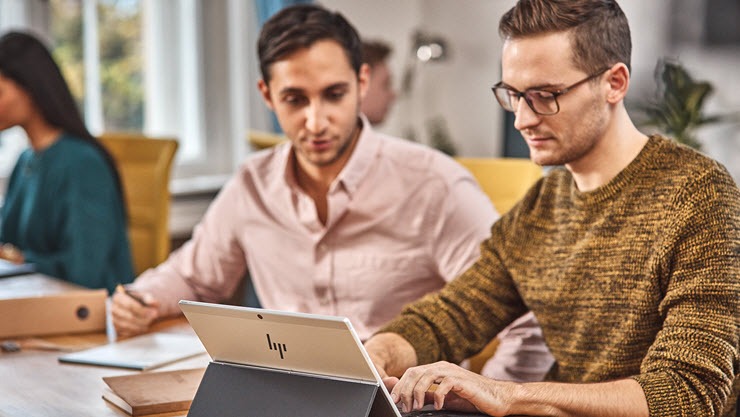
121 288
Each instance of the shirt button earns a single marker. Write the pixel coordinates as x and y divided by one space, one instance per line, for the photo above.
323 296
322 247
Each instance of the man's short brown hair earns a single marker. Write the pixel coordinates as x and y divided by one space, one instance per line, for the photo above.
599 31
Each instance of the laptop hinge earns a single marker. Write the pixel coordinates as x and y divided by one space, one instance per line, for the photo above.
236 390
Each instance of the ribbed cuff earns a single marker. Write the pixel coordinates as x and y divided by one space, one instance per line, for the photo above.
660 394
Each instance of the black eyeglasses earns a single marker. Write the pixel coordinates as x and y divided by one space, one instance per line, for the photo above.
542 102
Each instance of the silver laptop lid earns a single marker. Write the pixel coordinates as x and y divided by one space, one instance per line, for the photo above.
316 344
307 343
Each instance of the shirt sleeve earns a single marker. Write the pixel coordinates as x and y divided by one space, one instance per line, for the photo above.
467 216
694 358
210 265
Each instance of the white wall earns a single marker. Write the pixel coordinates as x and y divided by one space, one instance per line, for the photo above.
391 21
458 88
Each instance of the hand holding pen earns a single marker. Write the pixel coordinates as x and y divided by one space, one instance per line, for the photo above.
136 296
11 253
132 312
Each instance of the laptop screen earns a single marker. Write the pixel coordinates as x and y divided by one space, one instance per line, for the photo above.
323 345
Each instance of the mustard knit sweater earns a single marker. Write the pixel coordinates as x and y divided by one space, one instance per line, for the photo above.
639 278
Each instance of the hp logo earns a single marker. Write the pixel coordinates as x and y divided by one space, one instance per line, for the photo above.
280 347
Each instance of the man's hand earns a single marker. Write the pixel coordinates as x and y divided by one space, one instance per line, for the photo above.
133 313
461 390
450 387
391 354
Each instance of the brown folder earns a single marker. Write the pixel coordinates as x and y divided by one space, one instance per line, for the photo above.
38 305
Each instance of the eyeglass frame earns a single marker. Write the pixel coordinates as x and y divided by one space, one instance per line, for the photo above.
555 94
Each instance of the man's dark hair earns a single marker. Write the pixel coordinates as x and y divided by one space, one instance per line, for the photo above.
298 27
375 52
599 31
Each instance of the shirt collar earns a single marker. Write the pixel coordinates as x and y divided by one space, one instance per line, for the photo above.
361 159
353 172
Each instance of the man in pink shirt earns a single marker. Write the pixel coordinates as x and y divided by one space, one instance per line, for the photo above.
340 220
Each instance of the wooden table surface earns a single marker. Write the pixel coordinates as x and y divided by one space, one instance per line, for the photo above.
34 383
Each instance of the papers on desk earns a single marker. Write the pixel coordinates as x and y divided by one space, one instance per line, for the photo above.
153 392
141 352
9 269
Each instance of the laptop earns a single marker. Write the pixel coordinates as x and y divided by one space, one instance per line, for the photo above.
265 359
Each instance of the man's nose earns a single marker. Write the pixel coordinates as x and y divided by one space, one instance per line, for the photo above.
524 116
316 117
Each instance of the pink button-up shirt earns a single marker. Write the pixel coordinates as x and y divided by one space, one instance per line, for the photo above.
403 220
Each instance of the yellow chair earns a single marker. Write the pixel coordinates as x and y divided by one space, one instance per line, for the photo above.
144 165
262 140
505 181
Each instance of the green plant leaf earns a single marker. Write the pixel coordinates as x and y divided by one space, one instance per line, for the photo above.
677 106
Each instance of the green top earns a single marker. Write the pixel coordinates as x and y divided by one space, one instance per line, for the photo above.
639 278
63 210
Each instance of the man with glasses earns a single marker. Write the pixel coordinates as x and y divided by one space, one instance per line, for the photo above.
629 256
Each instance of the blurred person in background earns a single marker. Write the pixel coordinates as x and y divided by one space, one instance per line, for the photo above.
380 94
63 210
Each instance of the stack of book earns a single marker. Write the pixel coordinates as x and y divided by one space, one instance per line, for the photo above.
153 392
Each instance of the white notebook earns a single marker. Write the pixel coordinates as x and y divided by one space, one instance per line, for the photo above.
141 352
9 269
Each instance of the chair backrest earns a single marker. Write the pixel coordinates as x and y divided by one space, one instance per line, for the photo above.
259 139
144 165
504 180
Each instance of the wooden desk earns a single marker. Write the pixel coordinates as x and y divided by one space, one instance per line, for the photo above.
34 383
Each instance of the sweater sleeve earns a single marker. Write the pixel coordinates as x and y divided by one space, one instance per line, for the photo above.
694 358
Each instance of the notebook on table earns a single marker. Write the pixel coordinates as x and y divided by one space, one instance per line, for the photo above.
292 363
9 269
141 353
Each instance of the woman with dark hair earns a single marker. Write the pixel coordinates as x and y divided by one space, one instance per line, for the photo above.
64 206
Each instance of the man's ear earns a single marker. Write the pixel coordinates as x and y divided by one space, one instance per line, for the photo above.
619 82
363 80
265 92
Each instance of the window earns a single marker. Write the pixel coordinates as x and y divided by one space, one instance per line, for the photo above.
101 59
165 67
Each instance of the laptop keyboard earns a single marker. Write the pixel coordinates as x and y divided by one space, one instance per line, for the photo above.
427 411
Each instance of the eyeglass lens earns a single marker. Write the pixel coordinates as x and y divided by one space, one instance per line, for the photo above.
541 102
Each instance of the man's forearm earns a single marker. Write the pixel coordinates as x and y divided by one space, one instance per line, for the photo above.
392 353
617 398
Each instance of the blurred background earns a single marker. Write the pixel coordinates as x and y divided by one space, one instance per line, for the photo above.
187 68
